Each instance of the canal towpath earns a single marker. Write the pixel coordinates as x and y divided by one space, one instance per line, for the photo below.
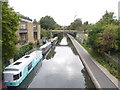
100 76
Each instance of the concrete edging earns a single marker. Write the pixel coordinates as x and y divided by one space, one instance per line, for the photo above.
89 71
103 69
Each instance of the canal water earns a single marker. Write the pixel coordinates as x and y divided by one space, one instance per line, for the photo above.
61 68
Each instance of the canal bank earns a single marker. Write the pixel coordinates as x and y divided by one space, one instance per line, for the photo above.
98 76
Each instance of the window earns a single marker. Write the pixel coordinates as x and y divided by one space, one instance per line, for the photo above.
15 77
23 26
29 66
20 74
27 56
17 63
35 27
23 36
11 69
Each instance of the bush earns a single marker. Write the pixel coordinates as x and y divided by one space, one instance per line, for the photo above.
38 42
22 50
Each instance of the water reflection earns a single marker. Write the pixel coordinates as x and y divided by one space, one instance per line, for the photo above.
31 76
62 69
64 41
60 36
51 53
87 78
71 46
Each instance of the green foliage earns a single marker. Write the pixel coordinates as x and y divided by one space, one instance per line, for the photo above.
22 50
35 21
46 33
47 22
106 40
10 22
118 38
112 67
87 27
43 33
57 27
76 25
103 36
38 42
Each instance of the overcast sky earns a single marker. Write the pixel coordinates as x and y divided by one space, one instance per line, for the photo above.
65 11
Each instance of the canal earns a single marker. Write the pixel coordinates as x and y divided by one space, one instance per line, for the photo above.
60 68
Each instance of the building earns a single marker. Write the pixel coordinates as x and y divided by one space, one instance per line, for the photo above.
36 32
28 32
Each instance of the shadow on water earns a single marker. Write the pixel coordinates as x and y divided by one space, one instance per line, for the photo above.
87 80
51 53
71 46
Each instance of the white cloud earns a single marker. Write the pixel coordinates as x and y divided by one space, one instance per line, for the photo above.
63 11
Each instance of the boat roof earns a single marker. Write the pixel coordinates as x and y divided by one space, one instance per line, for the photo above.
55 38
45 45
22 62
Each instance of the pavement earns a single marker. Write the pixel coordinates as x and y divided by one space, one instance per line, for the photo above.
99 75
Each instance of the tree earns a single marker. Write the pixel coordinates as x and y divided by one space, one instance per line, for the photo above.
57 27
10 22
86 26
76 25
103 35
86 23
43 33
47 22
35 21
107 18
106 41
46 33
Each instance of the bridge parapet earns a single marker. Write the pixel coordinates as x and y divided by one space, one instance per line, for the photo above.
67 31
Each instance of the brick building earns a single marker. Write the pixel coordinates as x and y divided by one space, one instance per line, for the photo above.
28 32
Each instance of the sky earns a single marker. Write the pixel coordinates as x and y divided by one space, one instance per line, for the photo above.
65 11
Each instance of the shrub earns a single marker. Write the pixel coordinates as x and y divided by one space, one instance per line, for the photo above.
22 50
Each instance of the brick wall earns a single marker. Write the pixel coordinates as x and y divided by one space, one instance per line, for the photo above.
30 32
38 32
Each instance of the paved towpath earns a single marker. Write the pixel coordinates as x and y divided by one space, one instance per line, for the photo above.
96 71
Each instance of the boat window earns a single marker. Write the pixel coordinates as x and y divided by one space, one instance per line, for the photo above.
15 77
11 70
27 56
29 66
17 63
20 74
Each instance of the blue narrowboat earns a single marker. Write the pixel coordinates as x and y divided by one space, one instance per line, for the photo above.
16 72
